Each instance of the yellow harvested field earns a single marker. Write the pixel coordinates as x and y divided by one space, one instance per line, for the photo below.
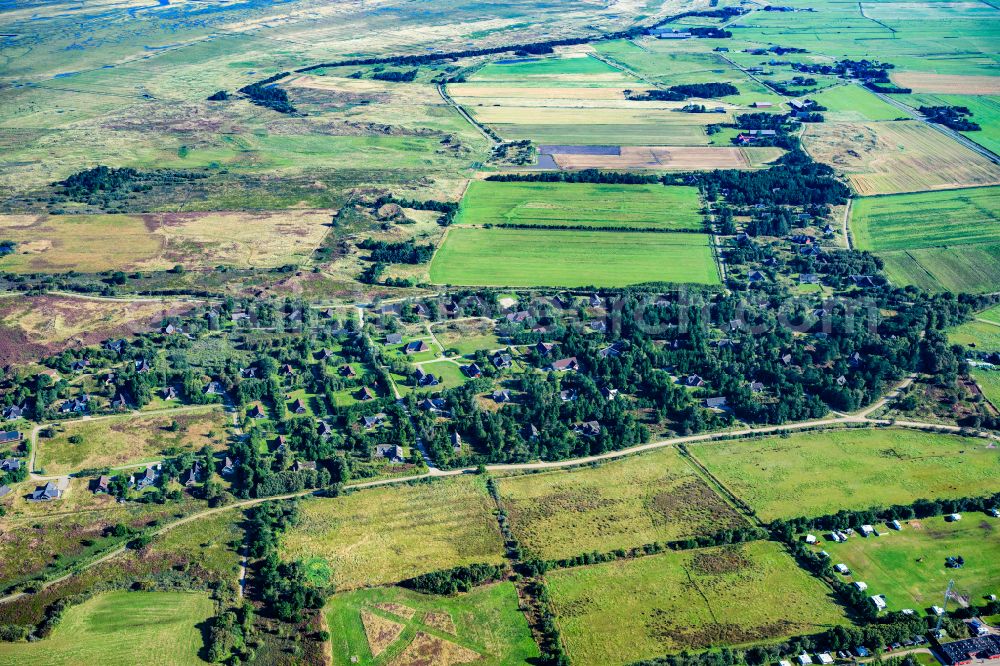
659 157
896 157
952 84
158 241
462 91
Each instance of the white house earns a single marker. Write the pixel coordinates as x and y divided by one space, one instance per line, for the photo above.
867 530
953 517
804 659
861 585
894 524
879 601
841 569
810 538
825 658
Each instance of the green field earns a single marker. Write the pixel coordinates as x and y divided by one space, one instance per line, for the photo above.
628 610
664 63
908 566
581 204
818 473
853 103
535 257
983 332
122 629
936 240
989 383
385 535
985 111
650 497
543 71
486 621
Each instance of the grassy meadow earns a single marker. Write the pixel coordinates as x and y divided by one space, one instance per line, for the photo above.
817 473
623 504
908 566
377 625
385 535
129 440
536 257
628 610
581 204
121 629
852 103
936 240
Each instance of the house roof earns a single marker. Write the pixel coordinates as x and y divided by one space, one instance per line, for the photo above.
565 363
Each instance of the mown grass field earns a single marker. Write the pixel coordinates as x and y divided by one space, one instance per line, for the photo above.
989 383
909 566
624 611
118 441
927 219
646 498
982 333
853 103
486 621
385 535
816 473
122 629
536 257
936 240
581 204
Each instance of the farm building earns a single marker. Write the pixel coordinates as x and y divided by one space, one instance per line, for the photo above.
394 338
762 105
970 649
